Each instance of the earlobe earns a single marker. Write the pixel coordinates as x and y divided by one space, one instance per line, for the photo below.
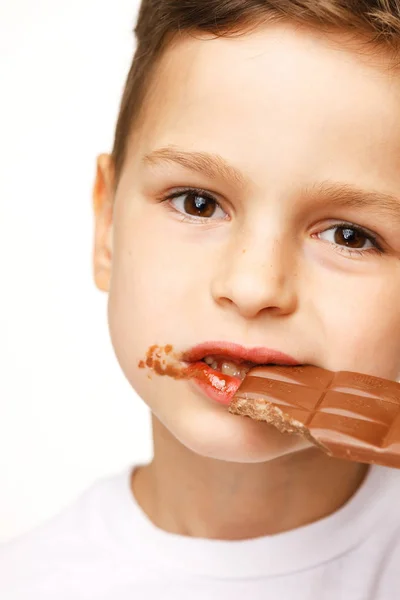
103 199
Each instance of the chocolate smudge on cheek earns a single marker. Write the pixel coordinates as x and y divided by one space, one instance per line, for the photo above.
163 361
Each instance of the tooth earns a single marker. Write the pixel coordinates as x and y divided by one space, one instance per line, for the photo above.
229 368
209 360
214 365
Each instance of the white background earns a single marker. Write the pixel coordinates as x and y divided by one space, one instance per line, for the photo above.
67 414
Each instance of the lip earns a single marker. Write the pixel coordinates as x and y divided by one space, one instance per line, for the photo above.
257 355
217 386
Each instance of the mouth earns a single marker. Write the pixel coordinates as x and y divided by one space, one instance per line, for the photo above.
227 366
219 368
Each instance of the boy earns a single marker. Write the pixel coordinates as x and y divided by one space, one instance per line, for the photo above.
249 212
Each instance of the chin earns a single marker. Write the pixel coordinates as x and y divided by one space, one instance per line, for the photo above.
223 436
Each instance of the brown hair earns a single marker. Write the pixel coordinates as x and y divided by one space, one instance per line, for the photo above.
160 21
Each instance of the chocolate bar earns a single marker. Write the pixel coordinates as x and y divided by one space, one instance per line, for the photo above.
348 415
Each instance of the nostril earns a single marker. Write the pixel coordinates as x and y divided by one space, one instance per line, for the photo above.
225 301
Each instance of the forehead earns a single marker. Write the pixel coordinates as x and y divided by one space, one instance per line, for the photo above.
279 96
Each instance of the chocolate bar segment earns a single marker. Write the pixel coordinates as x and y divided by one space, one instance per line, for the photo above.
348 415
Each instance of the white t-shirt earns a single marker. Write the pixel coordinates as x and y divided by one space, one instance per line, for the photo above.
104 547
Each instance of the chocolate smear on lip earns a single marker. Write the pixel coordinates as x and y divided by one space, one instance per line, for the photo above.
162 360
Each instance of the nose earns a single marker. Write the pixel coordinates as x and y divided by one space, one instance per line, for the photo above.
257 276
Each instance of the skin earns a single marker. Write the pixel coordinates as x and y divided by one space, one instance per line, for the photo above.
290 109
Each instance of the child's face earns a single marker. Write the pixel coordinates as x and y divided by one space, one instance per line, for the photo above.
278 259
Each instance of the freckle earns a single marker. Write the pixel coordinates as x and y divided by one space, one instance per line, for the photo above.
244 251
148 376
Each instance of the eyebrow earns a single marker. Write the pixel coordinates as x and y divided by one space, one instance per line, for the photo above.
345 195
211 165
214 166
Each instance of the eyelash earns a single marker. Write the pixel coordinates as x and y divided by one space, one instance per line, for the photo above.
340 249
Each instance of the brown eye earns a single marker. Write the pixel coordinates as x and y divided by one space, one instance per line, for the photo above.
348 236
199 206
196 204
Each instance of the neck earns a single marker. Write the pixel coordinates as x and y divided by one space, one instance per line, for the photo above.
187 494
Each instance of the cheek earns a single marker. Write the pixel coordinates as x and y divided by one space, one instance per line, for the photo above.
153 291
148 279
160 274
362 325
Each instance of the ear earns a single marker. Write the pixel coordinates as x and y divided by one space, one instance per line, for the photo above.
103 201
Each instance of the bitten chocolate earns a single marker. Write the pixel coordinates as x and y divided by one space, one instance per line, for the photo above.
348 415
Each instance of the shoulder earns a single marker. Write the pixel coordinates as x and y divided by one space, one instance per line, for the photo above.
77 539
376 556
388 563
